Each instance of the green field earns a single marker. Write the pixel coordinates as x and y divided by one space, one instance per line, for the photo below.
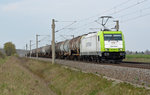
138 58
23 76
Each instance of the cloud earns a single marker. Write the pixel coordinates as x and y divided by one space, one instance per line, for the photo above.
10 7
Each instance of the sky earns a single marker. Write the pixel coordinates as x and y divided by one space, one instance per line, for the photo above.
21 20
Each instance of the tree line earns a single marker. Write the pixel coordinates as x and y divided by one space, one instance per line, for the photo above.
147 52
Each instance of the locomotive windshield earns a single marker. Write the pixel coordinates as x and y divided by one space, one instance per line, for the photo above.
112 37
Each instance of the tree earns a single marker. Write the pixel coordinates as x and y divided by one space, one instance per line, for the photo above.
9 48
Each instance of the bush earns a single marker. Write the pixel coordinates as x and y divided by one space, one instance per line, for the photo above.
9 48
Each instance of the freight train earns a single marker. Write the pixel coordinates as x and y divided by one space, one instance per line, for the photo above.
97 46
105 45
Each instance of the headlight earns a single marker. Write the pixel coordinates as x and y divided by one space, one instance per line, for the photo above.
122 54
120 49
106 54
107 49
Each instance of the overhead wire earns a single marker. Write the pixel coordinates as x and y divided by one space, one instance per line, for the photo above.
92 16
133 5
121 10
106 10
42 39
131 13
65 27
110 10
134 18
63 21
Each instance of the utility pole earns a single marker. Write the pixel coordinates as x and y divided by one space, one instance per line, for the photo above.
26 49
117 25
37 46
30 48
72 36
53 41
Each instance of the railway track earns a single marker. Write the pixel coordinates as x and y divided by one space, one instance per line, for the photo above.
131 62
142 65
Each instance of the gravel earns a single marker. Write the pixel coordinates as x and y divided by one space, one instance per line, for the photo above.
127 74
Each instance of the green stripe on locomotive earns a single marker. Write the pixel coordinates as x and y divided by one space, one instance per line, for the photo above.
103 49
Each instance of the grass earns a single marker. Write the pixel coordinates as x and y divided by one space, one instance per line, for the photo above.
138 58
22 76
65 81
16 80
3 60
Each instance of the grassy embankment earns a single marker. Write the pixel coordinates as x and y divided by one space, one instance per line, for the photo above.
63 81
138 58
2 61
3 58
16 80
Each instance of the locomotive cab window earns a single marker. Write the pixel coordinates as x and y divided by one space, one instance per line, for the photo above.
98 38
108 37
117 37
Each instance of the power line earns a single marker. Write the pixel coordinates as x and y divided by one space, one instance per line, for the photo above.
98 14
77 29
134 18
133 12
42 39
33 44
85 25
123 3
80 27
64 21
138 3
112 9
66 26
106 10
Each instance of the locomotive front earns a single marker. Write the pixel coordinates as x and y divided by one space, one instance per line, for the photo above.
112 45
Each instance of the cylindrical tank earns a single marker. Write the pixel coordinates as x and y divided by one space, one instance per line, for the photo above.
39 50
62 47
74 44
45 49
66 46
33 51
58 46
50 48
